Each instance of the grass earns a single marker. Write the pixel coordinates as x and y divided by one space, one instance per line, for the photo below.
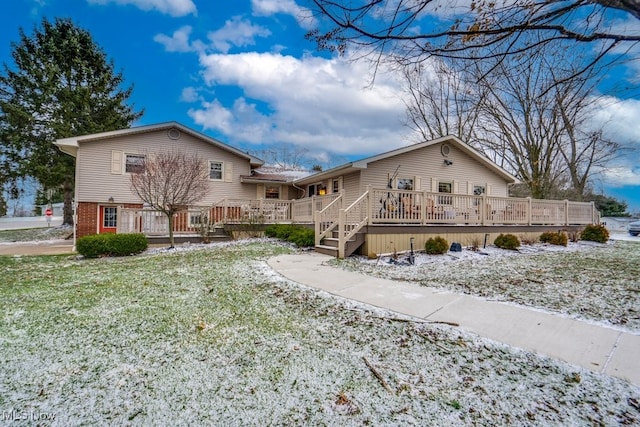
214 337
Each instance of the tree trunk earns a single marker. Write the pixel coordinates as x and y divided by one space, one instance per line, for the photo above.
67 211
171 242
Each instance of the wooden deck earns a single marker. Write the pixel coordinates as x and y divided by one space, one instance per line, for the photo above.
381 212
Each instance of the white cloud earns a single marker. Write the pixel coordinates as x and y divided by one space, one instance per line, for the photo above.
178 42
303 16
169 7
190 94
619 117
215 114
236 32
321 104
619 176
619 120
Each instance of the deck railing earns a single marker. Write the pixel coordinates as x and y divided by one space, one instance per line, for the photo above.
351 220
327 218
303 210
417 207
375 206
153 223
248 210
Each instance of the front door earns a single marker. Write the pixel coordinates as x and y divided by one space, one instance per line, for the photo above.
108 219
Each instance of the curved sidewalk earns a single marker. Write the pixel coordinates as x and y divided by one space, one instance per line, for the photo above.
598 348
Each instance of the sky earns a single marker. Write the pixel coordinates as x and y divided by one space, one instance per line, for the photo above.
242 71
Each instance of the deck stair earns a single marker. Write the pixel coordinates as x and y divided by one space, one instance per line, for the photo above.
329 245
219 234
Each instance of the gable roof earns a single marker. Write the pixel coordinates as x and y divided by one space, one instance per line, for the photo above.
274 175
70 145
363 163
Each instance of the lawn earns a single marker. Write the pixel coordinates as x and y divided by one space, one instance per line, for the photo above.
214 337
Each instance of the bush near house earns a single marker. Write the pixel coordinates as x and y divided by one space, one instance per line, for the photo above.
98 245
595 233
507 241
300 236
559 239
436 246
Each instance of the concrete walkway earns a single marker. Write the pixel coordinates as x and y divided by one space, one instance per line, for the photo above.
598 348
49 247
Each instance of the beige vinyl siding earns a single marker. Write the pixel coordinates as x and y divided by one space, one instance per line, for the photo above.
98 179
426 166
352 188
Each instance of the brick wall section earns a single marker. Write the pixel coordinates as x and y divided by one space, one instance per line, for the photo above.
88 217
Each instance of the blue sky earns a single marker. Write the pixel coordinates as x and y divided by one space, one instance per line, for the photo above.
242 71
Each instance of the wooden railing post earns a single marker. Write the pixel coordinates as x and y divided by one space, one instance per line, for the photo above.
483 210
528 210
369 205
341 233
314 211
566 212
316 228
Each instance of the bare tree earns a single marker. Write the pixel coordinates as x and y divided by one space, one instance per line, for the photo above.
171 181
524 113
285 156
439 102
417 29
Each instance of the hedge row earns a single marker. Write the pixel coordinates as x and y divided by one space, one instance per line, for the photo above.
109 244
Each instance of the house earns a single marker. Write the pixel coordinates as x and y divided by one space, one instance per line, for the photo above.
444 165
105 161
383 203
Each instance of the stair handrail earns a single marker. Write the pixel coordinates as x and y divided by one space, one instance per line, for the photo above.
348 228
324 221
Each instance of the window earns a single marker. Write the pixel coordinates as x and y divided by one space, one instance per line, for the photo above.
195 220
478 190
272 192
110 218
445 187
314 190
134 163
215 170
336 185
405 184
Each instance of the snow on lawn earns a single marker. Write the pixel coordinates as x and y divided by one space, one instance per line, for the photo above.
214 336
585 280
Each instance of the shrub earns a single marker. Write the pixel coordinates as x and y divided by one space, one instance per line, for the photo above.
111 245
507 241
436 246
300 236
595 233
280 231
560 238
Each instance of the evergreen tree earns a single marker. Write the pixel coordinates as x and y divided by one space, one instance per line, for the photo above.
61 85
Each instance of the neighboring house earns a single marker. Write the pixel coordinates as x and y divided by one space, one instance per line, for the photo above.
104 162
378 204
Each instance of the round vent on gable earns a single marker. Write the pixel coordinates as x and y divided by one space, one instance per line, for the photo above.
445 149
173 133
